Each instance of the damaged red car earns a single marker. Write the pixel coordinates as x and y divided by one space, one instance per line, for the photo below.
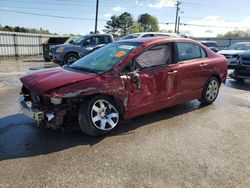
124 79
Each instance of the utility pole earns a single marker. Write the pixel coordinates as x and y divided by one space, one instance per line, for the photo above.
96 15
176 15
178 25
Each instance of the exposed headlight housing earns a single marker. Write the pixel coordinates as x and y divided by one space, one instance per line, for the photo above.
55 101
60 49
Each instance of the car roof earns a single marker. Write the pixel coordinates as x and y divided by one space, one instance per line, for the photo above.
157 39
99 34
208 41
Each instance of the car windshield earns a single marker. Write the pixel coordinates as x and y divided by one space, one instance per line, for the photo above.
132 36
105 58
239 47
79 40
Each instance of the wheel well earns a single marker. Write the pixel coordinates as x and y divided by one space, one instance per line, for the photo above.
118 102
71 53
217 76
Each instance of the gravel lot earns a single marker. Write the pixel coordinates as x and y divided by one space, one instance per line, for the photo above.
183 146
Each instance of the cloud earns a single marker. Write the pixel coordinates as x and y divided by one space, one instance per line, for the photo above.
118 9
140 3
217 26
107 15
6 8
162 4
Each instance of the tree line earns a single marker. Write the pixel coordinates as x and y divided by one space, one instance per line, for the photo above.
24 30
125 24
236 33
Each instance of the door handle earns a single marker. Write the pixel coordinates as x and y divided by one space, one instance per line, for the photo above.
172 72
203 64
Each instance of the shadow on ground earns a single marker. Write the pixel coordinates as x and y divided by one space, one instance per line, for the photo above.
20 137
243 85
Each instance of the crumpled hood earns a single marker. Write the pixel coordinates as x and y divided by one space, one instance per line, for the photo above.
230 52
41 81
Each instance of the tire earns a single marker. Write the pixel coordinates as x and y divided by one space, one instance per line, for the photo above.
98 116
210 91
70 58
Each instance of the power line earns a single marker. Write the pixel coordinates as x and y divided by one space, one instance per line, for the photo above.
48 15
201 25
217 26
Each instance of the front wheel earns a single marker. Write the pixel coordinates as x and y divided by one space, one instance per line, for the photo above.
70 58
210 91
98 116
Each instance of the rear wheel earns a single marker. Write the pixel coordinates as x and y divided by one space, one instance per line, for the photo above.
98 116
210 91
70 58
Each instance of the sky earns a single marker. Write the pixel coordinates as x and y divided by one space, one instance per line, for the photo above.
201 18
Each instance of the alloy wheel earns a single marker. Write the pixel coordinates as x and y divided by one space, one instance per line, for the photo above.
212 90
104 115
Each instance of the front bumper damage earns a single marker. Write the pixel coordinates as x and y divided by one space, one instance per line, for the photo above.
33 113
46 116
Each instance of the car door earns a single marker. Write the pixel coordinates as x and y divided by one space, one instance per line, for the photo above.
156 76
193 68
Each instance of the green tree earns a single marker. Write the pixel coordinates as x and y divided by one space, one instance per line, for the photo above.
125 22
137 28
121 24
148 23
111 25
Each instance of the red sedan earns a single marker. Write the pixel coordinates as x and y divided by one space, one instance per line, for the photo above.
123 79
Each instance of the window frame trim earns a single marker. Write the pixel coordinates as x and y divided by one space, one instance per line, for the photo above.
157 66
188 60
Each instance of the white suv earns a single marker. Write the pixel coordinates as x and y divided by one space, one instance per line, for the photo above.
148 34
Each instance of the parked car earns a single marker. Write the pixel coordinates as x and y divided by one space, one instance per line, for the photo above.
123 79
68 53
213 45
148 34
232 53
242 70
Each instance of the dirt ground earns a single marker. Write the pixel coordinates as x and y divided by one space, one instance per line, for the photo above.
183 146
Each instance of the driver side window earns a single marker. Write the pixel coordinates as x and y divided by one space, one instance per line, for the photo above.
155 56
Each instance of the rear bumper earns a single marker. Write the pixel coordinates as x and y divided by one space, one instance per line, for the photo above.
30 112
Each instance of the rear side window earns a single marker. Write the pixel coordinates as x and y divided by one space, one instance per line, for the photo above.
94 40
189 51
107 39
157 55
148 35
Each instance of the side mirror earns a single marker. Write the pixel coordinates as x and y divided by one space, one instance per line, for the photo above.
136 79
71 42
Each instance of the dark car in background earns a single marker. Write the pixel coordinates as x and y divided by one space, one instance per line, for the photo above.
213 45
66 54
232 52
242 69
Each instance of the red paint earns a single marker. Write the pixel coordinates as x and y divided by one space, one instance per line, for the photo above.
160 87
